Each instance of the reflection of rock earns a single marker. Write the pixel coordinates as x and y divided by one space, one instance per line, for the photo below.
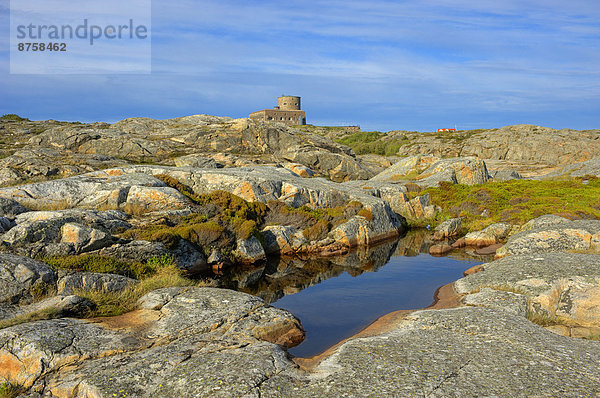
414 243
289 275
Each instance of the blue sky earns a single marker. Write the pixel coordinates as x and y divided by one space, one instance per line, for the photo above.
411 65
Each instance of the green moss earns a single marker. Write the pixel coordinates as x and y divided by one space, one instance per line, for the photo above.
366 214
515 201
105 264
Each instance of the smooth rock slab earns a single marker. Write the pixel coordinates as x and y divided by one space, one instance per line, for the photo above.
462 352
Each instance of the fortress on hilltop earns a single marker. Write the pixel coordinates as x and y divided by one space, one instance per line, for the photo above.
288 111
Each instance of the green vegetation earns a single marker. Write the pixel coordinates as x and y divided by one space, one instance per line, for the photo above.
545 319
46 313
515 201
117 303
8 390
373 142
222 218
97 263
11 117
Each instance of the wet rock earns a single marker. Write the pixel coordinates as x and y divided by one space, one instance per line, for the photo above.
19 274
440 249
448 229
92 281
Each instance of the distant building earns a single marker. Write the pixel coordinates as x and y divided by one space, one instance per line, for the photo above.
288 111
440 130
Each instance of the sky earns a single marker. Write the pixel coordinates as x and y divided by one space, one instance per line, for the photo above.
383 65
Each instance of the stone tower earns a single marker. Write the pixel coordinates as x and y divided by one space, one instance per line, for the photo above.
287 111
288 103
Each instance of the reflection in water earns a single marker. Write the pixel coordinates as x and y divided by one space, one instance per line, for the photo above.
333 303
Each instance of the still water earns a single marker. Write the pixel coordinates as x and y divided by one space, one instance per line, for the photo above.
337 297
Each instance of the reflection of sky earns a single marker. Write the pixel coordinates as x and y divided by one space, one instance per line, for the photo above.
382 64
340 307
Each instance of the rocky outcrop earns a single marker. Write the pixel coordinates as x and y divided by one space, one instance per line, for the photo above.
18 275
553 234
92 281
464 352
488 236
447 229
518 143
563 285
186 342
196 161
143 139
69 231
59 306
249 250
428 171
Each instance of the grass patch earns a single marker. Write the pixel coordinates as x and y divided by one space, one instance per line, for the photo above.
46 313
515 201
105 264
373 142
8 390
544 319
117 303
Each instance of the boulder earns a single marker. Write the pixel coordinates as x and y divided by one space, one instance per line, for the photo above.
282 239
18 275
448 229
93 281
505 175
63 231
6 224
249 250
137 250
188 258
488 236
62 306
428 171
565 285
550 234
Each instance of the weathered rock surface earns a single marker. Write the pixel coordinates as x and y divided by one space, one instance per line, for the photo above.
183 342
553 234
196 161
488 236
11 208
137 139
69 231
579 169
518 143
428 171
19 274
68 284
249 250
63 306
566 285
450 353
447 229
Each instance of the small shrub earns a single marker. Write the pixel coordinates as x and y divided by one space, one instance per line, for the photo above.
317 232
103 264
41 290
543 319
366 214
11 117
